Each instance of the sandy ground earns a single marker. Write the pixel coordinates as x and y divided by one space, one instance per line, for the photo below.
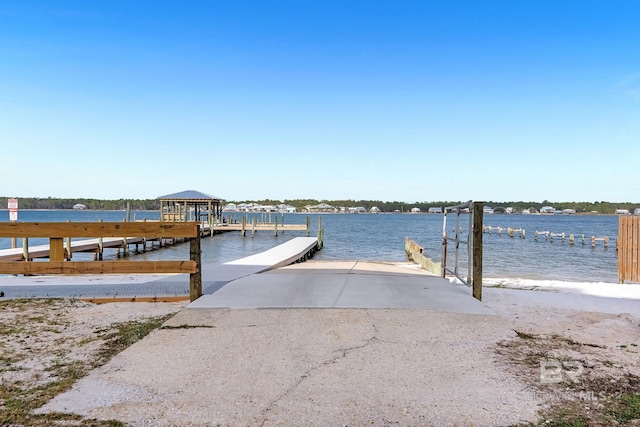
345 367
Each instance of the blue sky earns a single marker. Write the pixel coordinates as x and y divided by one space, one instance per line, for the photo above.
387 100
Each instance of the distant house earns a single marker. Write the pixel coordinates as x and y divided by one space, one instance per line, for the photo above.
282 208
375 209
322 207
636 211
415 210
622 212
568 211
230 207
435 210
79 206
547 210
357 210
487 210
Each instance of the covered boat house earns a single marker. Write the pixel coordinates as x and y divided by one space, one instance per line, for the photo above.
190 205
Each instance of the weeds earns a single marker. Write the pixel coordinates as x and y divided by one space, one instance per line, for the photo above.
605 394
20 397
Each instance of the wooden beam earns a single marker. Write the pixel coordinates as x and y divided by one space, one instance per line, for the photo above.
97 229
97 267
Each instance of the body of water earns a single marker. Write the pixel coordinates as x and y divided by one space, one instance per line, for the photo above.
381 238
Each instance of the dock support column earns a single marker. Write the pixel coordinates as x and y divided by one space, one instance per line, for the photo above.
320 233
100 247
275 226
253 228
244 225
25 248
477 250
68 239
195 279
308 225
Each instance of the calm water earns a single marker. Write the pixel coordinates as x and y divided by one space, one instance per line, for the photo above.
381 238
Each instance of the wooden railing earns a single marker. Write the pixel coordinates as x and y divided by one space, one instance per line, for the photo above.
629 248
415 252
58 231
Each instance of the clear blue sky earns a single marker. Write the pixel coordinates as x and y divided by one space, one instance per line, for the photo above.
389 100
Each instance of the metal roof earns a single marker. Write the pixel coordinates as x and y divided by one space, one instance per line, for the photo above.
190 195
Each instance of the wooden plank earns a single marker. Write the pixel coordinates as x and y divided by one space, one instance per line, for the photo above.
98 229
56 249
98 267
634 253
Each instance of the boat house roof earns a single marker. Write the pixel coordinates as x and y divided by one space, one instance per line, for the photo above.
190 195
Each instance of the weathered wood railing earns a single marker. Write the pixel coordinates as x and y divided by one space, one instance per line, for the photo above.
415 252
58 231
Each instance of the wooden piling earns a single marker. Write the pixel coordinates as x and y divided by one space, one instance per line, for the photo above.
477 249
68 240
25 248
195 279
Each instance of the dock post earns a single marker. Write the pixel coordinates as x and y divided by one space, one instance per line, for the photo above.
477 250
253 227
68 239
25 248
275 226
572 240
195 279
583 240
606 242
125 248
100 247
308 225
244 225
320 233
282 222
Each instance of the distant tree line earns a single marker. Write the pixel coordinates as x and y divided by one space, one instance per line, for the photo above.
299 204
55 203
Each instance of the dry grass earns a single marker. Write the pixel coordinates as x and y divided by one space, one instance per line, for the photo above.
45 349
589 390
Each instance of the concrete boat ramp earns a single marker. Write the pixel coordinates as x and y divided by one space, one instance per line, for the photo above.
320 343
270 279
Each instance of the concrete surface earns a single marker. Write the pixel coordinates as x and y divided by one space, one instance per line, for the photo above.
315 367
345 284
